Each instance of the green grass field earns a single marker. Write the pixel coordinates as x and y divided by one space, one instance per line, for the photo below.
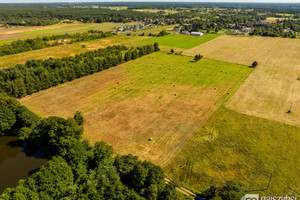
161 96
234 146
180 41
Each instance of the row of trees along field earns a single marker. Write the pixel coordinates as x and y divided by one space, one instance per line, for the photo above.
43 42
76 169
37 75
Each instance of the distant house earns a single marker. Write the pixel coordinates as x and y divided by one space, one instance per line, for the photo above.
152 26
265 22
64 40
286 30
141 25
58 41
119 29
197 33
246 30
177 28
185 32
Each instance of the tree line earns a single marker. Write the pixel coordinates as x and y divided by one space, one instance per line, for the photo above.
36 75
43 42
37 15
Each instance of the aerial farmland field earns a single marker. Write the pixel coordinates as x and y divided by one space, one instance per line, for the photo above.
96 104
10 35
161 96
272 89
66 50
180 41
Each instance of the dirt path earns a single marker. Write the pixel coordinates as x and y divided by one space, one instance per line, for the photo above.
11 36
182 189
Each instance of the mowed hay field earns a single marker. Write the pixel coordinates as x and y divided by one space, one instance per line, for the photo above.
243 148
273 87
180 41
161 96
66 50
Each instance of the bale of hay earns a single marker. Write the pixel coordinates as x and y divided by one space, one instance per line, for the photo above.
150 139
175 95
215 88
149 91
173 85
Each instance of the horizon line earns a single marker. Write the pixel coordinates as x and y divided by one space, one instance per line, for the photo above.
158 1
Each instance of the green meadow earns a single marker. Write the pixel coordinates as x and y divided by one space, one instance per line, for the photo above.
234 146
180 41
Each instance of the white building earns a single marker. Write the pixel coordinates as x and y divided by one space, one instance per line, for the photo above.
197 33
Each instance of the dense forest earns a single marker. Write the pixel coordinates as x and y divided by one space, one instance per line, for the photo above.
37 75
41 16
19 46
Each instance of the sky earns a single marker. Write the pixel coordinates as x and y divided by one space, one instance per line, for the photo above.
53 1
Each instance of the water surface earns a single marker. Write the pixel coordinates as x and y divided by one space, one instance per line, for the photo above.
15 164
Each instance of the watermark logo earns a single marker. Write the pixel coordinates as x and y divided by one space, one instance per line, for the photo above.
272 197
250 197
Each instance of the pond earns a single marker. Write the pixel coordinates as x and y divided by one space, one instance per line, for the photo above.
15 164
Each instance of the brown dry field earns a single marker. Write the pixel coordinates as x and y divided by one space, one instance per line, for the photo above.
127 119
273 86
